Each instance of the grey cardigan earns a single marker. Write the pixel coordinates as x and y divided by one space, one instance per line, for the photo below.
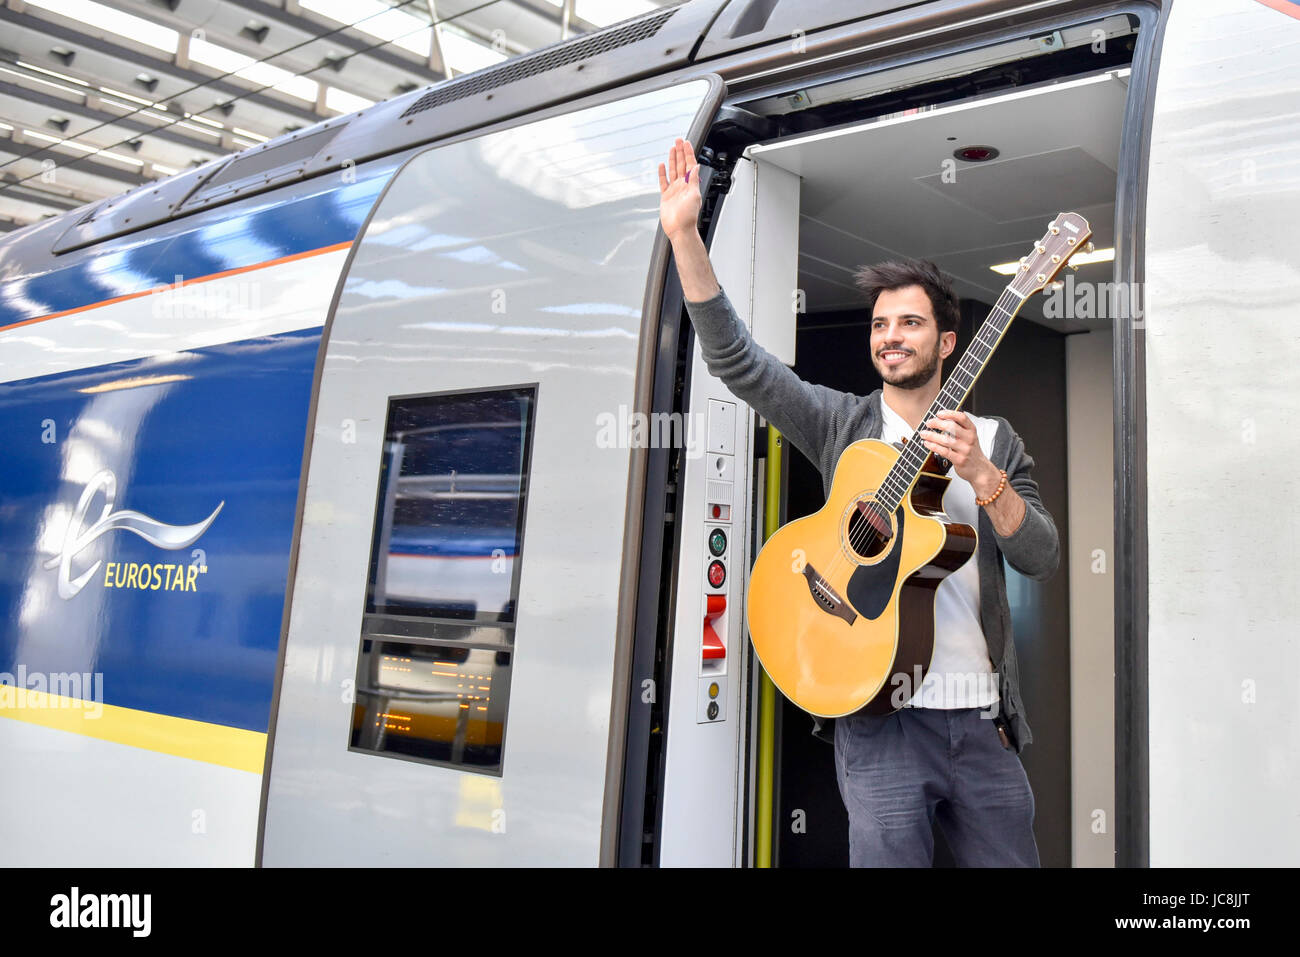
822 422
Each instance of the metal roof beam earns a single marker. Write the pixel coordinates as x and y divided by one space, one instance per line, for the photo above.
350 40
83 162
30 195
170 133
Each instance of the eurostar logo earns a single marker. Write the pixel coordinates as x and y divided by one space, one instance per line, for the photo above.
78 535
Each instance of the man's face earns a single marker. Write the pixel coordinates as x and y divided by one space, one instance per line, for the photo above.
906 347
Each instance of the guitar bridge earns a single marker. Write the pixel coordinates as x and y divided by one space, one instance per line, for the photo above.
826 597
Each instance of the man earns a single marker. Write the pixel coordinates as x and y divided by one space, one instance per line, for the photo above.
951 752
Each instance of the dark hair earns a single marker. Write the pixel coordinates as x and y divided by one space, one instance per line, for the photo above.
897 273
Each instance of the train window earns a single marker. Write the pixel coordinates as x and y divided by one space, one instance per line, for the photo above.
451 497
437 640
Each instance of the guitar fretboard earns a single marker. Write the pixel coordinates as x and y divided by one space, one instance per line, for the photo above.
953 394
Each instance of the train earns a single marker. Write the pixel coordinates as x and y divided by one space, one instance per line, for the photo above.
365 499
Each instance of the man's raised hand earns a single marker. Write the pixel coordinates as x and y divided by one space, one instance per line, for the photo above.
679 196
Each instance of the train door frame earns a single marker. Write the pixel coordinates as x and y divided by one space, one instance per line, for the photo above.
1130 816
702 799
634 824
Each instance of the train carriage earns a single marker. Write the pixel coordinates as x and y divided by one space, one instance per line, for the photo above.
365 498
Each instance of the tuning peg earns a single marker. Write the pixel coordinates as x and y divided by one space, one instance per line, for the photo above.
1056 286
1087 247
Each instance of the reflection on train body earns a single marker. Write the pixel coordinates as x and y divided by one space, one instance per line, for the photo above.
432 702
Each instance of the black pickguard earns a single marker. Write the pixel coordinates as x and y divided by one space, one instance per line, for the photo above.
871 586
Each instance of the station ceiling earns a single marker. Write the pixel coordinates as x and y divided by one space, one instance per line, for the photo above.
100 96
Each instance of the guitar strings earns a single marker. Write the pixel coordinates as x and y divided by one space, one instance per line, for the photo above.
867 534
892 482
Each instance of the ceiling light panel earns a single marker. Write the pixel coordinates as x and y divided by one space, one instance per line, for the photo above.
377 20
246 68
112 21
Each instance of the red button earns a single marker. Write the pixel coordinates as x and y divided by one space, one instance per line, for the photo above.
717 573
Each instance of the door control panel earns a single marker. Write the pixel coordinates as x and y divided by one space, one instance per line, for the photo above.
716 620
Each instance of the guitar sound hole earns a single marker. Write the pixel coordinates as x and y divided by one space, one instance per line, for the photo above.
869 530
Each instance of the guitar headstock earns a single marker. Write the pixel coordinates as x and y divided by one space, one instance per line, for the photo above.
1065 236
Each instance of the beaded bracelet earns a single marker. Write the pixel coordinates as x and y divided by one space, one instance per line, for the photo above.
1002 483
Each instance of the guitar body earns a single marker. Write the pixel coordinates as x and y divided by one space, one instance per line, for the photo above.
839 605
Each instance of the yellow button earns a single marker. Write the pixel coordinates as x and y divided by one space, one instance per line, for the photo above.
713 690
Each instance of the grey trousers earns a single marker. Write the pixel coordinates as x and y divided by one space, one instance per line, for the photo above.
901 772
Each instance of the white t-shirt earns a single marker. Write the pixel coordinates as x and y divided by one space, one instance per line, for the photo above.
961 674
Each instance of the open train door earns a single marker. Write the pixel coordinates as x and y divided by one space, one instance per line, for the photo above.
716 801
455 666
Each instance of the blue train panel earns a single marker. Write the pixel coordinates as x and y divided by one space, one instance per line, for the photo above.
146 518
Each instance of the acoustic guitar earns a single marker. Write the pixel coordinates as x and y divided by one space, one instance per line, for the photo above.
841 602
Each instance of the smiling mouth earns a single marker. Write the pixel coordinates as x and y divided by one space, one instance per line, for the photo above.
893 357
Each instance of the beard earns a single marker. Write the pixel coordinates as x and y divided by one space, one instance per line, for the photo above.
910 380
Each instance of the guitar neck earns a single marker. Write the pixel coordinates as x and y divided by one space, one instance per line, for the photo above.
953 395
